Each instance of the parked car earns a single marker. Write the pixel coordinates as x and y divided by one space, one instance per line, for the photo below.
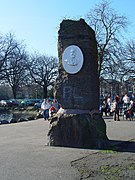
9 103
38 104
29 102
3 103
12 102
26 102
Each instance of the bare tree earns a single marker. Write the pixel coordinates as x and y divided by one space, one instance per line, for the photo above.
14 68
7 45
108 26
43 70
130 57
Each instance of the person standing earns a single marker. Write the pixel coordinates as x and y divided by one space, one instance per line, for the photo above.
126 101
116 107
104 107
109 102
54 107
45 106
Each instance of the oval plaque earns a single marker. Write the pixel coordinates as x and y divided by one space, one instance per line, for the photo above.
72 59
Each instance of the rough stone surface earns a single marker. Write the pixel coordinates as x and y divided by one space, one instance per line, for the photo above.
77 125
13 120
78 130
80 90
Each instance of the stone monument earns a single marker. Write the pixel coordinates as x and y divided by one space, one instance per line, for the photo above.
78 123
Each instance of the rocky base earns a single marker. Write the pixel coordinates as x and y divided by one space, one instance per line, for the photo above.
78 130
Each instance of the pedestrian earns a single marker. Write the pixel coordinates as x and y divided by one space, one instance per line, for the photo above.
130 111
54 107
132 97
126 102
116 108
45 106
109 102
104 107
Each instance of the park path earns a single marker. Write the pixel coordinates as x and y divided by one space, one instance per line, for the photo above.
24 154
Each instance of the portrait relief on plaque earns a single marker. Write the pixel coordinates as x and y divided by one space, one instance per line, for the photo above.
72 59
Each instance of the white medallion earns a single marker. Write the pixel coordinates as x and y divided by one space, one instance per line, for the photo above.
72 59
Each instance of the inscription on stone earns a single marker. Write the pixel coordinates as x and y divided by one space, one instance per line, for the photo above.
77 92
67 92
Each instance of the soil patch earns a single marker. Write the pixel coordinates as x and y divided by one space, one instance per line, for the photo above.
107 164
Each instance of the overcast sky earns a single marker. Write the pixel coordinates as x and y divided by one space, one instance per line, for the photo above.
37 21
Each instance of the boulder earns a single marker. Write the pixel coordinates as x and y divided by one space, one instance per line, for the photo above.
31 118
13 120
22 120
78 130
4 122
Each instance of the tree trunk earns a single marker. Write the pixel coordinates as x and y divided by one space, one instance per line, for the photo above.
14 92
100 60
45 91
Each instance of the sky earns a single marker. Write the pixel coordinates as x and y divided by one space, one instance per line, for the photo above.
36 22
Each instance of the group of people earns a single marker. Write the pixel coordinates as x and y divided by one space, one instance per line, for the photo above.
105 105
129 106
125 104
49 107
109 106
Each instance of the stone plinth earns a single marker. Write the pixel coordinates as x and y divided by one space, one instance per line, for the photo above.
78 130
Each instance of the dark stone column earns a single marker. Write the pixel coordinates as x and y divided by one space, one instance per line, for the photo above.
78 123
80 90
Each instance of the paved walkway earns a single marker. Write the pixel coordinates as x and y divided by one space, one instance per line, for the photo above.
25 156
122 130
